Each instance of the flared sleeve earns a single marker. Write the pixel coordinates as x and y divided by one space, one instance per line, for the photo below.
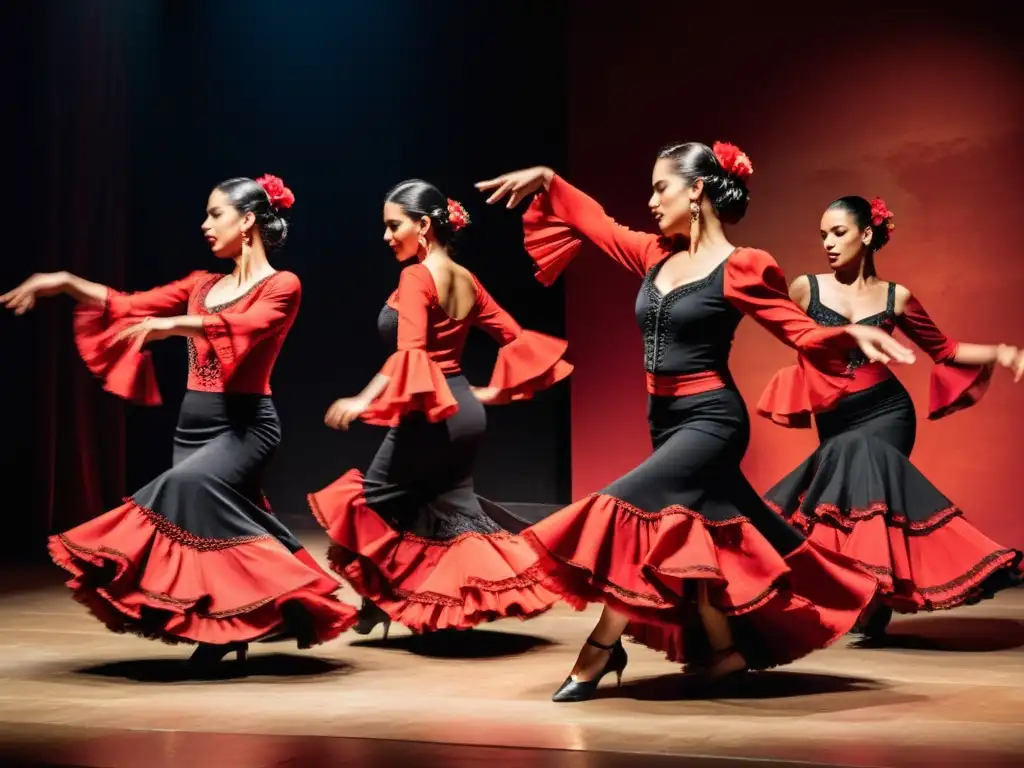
756 286
415 382
528 361
953 386
559 218
125 367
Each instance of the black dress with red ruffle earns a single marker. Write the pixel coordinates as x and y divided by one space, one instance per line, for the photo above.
687 515
412 535
196 555
858 493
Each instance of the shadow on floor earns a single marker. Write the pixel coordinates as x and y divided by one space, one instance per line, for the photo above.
950 633
277 665
474 644
752 686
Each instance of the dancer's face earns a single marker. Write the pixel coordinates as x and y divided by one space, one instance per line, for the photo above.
845 244
224 226
670 201
402 233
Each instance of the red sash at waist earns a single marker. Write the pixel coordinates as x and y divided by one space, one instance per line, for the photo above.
684 384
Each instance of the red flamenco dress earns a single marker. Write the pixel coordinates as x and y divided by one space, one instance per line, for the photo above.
196 556
687 516
412 537
858 493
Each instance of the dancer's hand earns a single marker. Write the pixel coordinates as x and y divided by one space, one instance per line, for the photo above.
486 395
1011 357
23 298
149 329
517 185
878 346
344 411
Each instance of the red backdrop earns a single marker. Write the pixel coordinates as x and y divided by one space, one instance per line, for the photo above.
921 106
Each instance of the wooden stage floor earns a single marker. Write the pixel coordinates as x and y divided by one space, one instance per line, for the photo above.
946 691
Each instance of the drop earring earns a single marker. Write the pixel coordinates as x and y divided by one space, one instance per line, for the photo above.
694 225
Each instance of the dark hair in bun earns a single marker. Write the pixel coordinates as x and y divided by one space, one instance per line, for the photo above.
726 191
421 198
866 214
248 196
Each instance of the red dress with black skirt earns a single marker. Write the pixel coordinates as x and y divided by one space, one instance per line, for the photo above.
687 515
858 493
412 535
196 555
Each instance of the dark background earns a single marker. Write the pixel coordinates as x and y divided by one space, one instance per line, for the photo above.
128 113
122 115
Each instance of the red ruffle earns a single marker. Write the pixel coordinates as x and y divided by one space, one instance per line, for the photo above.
549 241
929 565
416 383
531 363
798 391
139 573
601 549
955 387
424 584
125 368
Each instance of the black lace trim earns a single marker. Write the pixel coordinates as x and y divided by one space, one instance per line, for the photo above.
659 310
221 307
830 318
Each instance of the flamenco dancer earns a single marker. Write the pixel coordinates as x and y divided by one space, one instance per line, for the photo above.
196 556
412 537
682 548
858 493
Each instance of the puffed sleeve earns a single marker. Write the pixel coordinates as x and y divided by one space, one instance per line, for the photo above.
953 386
415 382
125 367
528 361
560 217
755 285
233 334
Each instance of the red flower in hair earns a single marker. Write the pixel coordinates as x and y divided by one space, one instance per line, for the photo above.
880 214
280 196
733 160
457 215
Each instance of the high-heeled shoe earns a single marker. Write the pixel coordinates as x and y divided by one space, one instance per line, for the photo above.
583 690
370 615
209 655
876 624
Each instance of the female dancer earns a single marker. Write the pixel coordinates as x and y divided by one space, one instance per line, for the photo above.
858 493
412 537
683 540
196 556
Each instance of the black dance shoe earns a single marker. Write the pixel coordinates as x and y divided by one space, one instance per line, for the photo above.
369 617
208 655
878 622
874 622
583 690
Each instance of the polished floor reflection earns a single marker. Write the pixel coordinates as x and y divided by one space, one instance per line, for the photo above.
947 690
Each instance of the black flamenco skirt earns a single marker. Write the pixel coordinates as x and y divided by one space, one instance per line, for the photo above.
415 538
688 517
858 494
196 555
